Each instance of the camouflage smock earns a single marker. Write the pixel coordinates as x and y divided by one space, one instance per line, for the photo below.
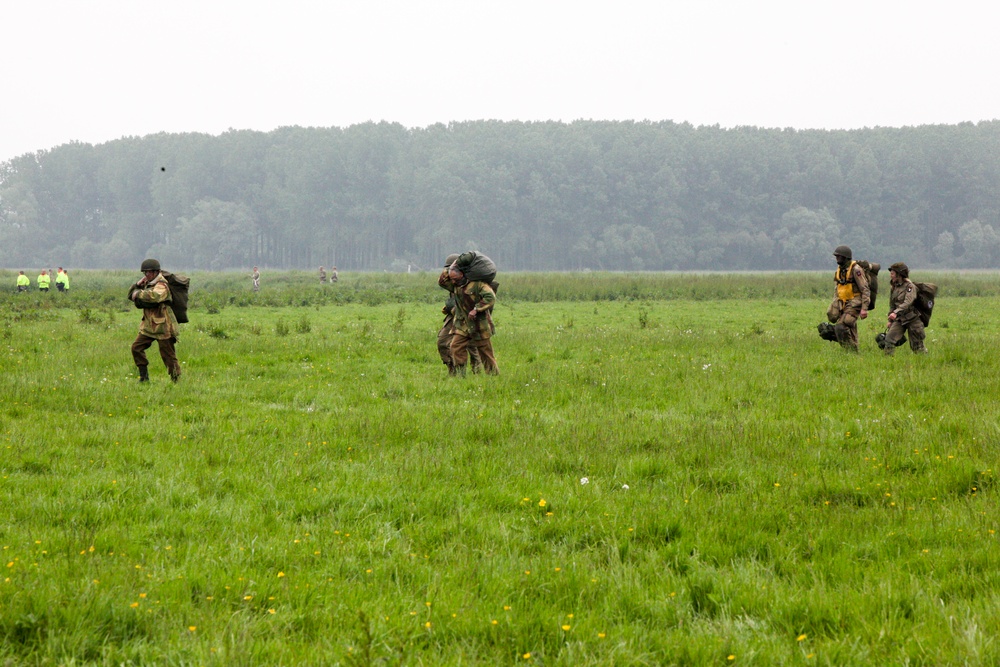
158 319
478 295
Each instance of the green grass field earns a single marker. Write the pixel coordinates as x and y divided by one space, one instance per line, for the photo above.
669 470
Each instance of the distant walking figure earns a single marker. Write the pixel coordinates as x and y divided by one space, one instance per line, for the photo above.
322 276
256 279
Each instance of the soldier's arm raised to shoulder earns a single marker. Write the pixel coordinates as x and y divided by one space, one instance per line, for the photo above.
158 293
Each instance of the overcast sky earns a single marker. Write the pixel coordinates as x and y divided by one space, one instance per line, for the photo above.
98 70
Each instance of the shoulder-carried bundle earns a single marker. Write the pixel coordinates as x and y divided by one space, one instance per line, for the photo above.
478 267
178 295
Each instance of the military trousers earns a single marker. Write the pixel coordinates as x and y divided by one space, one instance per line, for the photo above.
461 346
913 328
167 353
444 348
846 325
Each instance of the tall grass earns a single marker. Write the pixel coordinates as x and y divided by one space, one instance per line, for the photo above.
653 479
299 288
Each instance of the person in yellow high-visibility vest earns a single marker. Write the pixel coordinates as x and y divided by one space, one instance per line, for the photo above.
62 280
23 282
44 281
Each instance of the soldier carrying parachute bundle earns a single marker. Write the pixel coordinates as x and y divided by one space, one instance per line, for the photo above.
162 297
474 277
447 331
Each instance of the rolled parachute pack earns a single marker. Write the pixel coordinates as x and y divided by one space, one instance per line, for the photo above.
476 267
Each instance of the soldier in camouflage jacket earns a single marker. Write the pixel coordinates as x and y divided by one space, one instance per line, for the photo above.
445 332
473 325
159 324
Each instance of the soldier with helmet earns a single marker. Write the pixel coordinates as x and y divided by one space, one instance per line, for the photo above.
851 299
446 333
473 325
904 319
159 324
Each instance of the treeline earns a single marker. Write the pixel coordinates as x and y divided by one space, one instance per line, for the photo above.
534 196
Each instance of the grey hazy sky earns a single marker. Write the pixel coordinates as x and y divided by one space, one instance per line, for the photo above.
98 70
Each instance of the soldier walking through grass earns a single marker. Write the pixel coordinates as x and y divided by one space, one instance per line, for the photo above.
904 319
159 324
446 332
851 299
473 325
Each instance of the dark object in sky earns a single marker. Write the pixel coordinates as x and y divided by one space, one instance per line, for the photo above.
163 168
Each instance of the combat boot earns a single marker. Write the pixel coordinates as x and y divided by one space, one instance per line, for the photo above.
143 373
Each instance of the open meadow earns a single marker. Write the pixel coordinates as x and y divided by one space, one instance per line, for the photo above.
670 470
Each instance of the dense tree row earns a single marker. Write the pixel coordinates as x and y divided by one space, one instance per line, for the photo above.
534 196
